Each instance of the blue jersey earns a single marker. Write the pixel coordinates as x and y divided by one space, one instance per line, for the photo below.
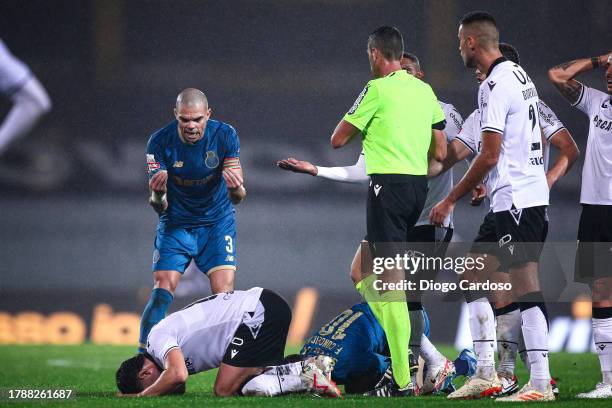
197 193
355 340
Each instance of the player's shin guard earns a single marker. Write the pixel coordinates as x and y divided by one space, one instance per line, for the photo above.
602 336
535 333
391 311
265 385
155 310
508 332
482 328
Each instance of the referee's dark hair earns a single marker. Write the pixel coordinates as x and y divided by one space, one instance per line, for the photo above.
127 375
388 40
509 52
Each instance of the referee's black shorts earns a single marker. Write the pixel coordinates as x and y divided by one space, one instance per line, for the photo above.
395 202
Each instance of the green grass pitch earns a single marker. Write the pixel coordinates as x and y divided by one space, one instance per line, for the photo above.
89 370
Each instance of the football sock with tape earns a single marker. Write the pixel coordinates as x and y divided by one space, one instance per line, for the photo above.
482 328
430 353
154 311
535 334
270 385
391 311
508 331
602 336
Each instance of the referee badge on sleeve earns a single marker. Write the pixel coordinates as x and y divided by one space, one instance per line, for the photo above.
359 99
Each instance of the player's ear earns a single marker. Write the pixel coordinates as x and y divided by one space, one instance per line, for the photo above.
176 115
420 74
208 113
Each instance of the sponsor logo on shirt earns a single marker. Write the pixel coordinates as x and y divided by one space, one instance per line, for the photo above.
178 164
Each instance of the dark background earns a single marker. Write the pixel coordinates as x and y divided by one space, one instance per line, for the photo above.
74 224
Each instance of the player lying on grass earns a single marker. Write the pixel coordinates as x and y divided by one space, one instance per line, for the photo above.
358 346
243 333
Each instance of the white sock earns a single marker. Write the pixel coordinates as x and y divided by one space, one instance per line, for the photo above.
29 104
482 327
285 369
508 330
270 385
535 334
430 353
523 352
602 336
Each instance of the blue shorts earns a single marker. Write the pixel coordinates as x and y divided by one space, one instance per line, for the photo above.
212 247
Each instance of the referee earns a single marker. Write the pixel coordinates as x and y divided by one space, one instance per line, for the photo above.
401 123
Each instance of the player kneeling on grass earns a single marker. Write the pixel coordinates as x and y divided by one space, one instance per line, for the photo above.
243 333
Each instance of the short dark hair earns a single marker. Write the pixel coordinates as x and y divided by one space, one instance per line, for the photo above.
127 375
477 17
509 52
388 40
412 58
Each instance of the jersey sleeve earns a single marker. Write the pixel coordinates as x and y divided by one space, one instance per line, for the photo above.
364 108
589 100
467 135
494 105
232 148
159 344
438 119
155 157
549 121
454 123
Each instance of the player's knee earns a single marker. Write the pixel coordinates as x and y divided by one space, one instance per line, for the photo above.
224 390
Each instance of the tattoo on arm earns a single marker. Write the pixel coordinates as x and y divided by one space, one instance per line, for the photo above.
571 90
565 65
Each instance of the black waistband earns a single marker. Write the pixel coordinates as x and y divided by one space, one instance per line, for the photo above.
397 177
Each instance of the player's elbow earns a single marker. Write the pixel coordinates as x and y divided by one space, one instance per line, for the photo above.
336 142
554 77
440 153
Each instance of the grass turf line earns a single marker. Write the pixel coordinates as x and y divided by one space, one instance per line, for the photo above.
90 371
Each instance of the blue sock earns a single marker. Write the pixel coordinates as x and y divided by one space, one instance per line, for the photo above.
155 310
461 366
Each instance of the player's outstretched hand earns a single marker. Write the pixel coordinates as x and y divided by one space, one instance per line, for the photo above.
440 211
478 195
297 166
233 178
158 182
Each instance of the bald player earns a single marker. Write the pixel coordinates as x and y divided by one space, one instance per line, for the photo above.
194 178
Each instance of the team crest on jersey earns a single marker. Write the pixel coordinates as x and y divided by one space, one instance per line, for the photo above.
212 160
155 256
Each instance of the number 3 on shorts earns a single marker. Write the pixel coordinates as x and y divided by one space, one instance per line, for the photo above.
230 244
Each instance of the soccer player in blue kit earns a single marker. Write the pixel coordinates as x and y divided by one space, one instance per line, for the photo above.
358 345
194 178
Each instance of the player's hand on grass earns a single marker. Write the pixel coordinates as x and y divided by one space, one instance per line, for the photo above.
478 195
440 211
297 166
159 181
233 178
